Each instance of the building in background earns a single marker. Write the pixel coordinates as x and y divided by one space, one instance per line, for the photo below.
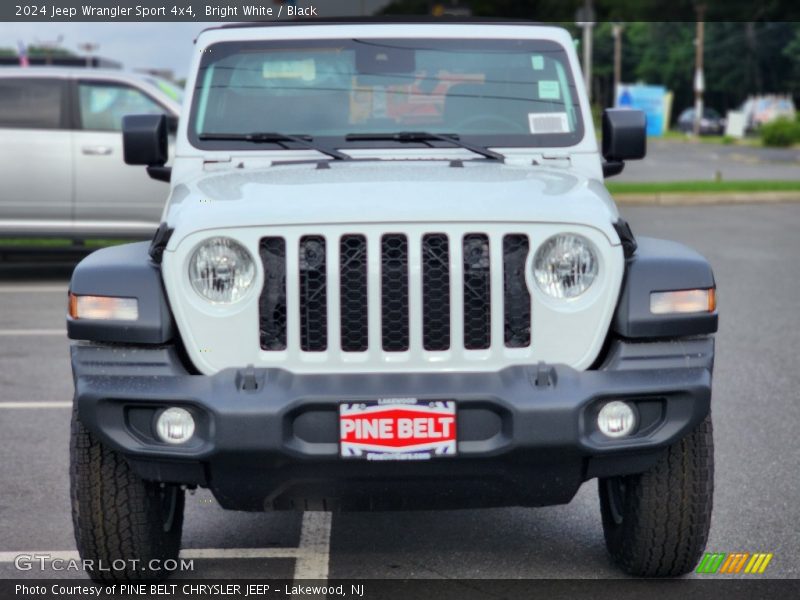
654 100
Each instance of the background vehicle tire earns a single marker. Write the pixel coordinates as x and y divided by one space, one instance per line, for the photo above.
656 523
118 516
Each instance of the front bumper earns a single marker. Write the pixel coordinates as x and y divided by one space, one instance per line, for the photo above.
269 439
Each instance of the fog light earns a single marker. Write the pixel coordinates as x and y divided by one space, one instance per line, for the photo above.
616 419
175 425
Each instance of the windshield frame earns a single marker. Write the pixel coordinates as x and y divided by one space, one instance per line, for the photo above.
535 141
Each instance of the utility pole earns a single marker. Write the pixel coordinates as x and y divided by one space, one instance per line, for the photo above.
89 48
49 47
699 77
585 18
616 29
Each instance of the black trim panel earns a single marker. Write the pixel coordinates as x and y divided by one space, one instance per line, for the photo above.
268 438
660 266
124 271
626 237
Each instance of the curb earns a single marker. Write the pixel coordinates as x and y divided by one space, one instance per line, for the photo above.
713 198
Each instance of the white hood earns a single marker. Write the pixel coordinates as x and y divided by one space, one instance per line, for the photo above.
372 192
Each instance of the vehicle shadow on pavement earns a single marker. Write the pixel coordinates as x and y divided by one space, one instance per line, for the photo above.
551 542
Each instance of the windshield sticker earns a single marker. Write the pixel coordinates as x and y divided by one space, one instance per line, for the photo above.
548 122
537 62
549 90
290 69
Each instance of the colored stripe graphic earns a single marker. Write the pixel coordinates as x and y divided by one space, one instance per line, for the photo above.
735 562
711 562
721 562
758 563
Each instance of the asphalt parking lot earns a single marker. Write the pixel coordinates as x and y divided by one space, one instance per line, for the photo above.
673 160
756 406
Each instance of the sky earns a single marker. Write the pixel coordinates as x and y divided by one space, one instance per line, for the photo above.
147 45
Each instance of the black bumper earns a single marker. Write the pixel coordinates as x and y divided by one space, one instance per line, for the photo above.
526 435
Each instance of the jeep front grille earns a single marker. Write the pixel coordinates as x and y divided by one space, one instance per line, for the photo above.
313 294
477 292
516 297
435 292
342 288
353 293
394 292
272 304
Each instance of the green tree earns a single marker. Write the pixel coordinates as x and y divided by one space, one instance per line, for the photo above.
43 51
792 54
741 58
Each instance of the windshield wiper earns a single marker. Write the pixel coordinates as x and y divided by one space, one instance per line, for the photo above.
276 138
424 136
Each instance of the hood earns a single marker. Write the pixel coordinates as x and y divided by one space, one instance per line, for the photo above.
374 192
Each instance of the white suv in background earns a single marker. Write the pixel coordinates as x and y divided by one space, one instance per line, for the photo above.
61 152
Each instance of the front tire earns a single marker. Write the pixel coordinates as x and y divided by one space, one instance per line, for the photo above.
126 526
656 523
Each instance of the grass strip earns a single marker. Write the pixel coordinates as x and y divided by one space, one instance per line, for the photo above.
702 187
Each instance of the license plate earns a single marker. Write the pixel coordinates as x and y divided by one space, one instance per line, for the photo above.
397 429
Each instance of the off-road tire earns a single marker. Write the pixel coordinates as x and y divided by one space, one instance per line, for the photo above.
656 523
119 517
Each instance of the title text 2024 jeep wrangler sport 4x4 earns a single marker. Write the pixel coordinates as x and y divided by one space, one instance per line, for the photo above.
389 276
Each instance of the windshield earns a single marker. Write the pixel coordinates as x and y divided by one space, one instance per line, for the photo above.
491 92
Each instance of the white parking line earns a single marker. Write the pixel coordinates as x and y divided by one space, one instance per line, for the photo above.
198 553
315 545
32 289
7 557
44 404
311 555
32 332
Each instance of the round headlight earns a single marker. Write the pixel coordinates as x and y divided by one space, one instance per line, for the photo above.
565 265
221 270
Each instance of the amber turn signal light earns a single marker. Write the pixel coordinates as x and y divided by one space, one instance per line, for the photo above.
683 301
103 308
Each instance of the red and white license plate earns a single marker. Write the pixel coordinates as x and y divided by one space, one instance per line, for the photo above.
397 429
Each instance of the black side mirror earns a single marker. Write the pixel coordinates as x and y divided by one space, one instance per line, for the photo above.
144 142
172 124
624 138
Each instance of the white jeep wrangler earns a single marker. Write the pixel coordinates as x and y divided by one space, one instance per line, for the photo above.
389 276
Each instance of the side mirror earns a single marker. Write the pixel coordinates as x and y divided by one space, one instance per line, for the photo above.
172 124
624 138
144 142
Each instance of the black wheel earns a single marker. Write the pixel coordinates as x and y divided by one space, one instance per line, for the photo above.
656 523
127 526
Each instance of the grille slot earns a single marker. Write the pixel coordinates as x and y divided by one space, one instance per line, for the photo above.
435 292
394 292
477 292
353 290
272 302
516 296
313 294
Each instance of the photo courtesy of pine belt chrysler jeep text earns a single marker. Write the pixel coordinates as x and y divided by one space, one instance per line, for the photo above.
389 276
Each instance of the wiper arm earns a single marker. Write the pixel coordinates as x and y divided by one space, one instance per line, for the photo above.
276 138
425 136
